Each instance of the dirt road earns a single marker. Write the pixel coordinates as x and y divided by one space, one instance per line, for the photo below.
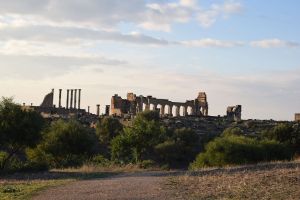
143 185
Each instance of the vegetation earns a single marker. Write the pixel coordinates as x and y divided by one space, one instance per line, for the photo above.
19 129
28 143
277 180
65 144
237 150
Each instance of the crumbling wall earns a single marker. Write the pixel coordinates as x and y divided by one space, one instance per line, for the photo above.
234 113
297 117
135 104
48 100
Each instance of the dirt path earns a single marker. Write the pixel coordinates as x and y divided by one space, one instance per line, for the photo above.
143 185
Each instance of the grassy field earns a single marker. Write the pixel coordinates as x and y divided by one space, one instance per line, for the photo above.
263 181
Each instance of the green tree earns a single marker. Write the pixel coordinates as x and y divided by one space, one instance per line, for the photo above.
108 128
68 143
19 129
139 139
180 148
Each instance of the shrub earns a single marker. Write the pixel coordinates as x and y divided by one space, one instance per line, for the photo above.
180 149
108 128
232 131
100 160
19 129
67 144
138 141
234 150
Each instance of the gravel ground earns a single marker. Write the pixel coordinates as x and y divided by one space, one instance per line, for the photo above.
142 185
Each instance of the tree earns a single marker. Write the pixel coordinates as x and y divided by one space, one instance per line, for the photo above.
19 129
68 143
108 128
138 141
180 148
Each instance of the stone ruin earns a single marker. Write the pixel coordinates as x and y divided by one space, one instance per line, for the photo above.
131 106
234 113
135 104
297 117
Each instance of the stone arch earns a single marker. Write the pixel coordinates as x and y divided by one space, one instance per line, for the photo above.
181 110
168 110
174 111
144 107
190 110
159 107
152 106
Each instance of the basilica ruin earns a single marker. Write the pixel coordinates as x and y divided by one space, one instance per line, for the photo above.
135 104
128 108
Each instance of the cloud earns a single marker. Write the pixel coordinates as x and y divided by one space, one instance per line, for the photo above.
109 14
60 34
39 67
209 16
208 42
273 43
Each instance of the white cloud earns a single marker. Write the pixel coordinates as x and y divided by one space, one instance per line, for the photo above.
273 43
207 17
110 13
63 34
208 42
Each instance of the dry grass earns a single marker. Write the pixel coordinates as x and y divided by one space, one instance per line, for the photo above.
24 185
264 181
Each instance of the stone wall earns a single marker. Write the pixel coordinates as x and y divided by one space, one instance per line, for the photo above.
135 104
297 117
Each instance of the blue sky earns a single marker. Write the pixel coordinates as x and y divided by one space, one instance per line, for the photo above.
237 51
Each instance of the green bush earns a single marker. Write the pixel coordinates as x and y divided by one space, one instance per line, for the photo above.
108 128
137 142
19 129
235 150
232 131
100 160
67 144
180 148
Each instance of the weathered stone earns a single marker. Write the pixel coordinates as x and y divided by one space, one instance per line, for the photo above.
135 104
48 100
234 113
297 117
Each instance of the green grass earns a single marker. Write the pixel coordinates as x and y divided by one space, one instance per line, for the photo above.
19 190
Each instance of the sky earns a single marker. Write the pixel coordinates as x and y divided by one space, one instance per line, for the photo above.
237 51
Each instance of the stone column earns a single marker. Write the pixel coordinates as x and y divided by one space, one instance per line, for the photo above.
162 111
88 109
107 109
177 111
170 110
98 110
71 102
59 98
75 98
79 98
67 104
186 111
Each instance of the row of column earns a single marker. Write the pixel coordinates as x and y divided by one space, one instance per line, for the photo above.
72 101
162 109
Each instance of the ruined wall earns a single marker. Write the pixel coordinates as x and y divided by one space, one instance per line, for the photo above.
234 113
48 100
297 117
135 104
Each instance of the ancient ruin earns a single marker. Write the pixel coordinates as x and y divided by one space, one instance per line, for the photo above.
234 113
297 117
135 104
48 100
128 108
